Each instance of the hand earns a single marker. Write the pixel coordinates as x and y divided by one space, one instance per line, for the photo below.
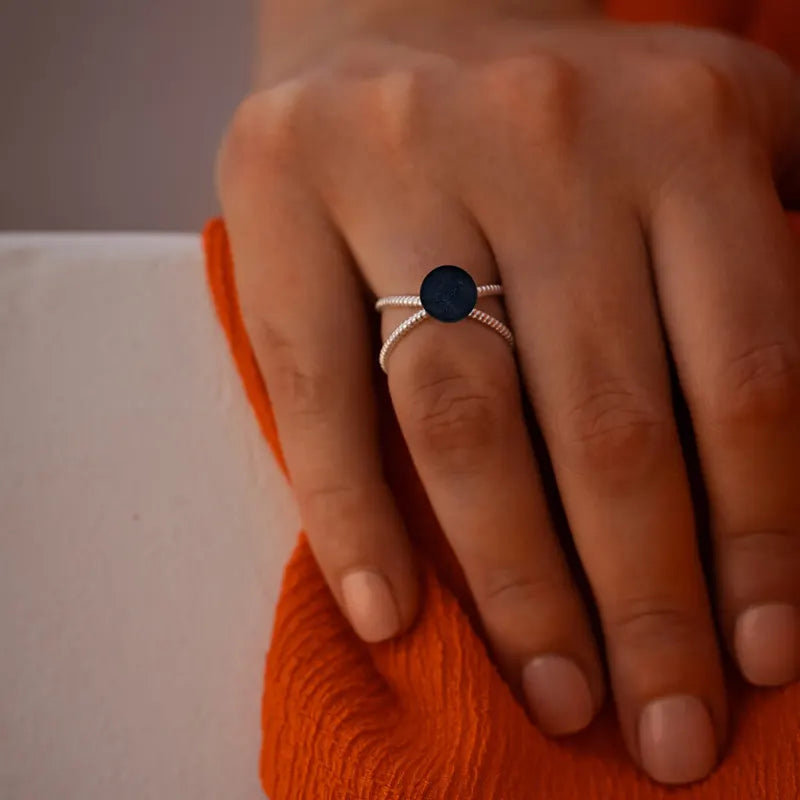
623 183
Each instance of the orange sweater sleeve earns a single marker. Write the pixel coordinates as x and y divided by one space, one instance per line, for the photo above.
427 717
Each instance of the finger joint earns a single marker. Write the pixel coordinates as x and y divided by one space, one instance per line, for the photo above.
759 386
648 622
613 433
454 420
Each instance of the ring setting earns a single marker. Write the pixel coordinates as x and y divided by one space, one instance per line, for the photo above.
447 294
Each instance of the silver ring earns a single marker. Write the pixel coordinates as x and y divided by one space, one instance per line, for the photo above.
448 294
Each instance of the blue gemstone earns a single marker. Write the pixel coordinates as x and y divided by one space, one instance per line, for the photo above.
448 293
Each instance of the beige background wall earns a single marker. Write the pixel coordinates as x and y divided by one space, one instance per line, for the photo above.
110 110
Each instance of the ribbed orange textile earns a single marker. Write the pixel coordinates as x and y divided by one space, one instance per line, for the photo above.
427 717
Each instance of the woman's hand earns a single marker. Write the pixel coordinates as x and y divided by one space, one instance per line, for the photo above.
620 181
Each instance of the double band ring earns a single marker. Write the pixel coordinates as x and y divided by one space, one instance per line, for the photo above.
448 294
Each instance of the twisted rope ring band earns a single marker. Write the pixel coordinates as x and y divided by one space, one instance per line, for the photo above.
448 294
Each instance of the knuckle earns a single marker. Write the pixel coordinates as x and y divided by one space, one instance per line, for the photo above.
305 392
536 97
505 586
453 419
758 563
547 74
699 96
641 623
244 136
759 386
775 544
338 508
400 98
613 432
387 102
261 132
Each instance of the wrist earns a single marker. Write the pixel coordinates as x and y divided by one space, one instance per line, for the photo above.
290 31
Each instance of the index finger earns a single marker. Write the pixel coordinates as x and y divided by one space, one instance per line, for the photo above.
302 306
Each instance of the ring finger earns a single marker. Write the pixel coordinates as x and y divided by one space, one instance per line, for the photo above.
456 392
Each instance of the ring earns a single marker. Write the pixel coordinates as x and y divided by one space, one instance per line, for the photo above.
448 294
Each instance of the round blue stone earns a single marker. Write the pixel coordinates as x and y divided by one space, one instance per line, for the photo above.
448 293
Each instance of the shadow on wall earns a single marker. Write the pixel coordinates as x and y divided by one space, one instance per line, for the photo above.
111 111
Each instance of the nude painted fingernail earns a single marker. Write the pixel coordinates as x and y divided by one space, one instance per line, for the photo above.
370 605
558 694
766 643
677 740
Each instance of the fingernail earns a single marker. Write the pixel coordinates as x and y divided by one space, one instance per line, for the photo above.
677 740
766 642
558 694
370 605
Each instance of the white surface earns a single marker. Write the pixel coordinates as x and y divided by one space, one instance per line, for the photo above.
143 528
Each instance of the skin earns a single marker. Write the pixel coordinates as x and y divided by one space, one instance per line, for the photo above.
625 183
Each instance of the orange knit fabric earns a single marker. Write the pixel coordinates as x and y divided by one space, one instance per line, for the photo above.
427 717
